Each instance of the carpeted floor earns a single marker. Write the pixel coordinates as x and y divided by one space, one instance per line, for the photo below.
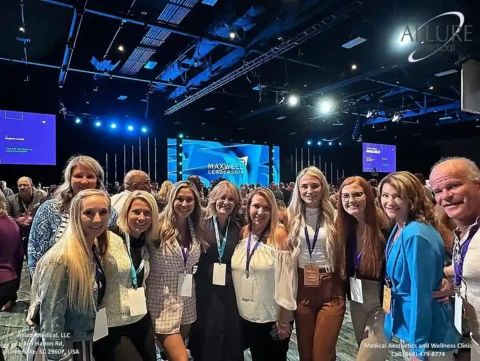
13 331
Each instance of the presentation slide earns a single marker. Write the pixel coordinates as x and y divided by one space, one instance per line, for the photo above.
276 164
27 138
380 158
236 162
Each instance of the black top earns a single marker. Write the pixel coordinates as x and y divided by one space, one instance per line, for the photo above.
136 251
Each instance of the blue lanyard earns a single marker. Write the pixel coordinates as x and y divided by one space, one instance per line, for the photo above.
132 267
460 255
250 255
220 242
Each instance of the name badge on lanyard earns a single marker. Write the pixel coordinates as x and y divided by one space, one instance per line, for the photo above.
247 281
220 269
185 280
136 296
356 290
311 272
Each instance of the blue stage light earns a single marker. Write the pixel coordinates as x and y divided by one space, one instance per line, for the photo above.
113 126
130 128
319 143
144 130
309 142
329 143
97 124
180 135
78 121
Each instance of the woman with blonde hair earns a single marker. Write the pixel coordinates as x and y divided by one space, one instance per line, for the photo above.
69 284
263 277
162 195
216 335
320 293
51 220
127 267
414 270
170 286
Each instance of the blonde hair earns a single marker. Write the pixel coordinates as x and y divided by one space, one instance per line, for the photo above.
221 189
152 232
64 193
72 250
3 205
409 187
164 189
271 229
167 229
296 217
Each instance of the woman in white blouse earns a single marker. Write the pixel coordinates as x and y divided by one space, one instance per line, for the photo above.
320 297
263 277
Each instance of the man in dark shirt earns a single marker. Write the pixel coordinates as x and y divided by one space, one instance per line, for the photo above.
286 193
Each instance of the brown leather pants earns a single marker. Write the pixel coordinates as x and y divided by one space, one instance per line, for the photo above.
319 317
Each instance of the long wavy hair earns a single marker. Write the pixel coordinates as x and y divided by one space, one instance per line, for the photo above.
326 212
221 189
409 187
271 229
167 229
152 232
163 192
64 193
373 238
3 205
73 251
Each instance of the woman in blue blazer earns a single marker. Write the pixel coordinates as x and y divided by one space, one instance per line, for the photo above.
415 255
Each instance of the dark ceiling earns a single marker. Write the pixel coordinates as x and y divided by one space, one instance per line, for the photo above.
297 45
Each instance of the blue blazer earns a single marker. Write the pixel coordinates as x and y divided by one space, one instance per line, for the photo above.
415 267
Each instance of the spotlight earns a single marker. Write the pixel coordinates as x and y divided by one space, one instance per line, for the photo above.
369 114
309 142
130 128
354 66
293 100
121 48
340 143
144 130
431 87
232 34
113 126
180 135
21 29
329 143
78 121
319 143
97 124
396 117
326 106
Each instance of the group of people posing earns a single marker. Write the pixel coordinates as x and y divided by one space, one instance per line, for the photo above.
109 283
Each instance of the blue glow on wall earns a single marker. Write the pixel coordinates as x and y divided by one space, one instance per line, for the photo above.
172 160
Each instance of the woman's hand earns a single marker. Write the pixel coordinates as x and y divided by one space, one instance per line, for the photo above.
446 289
284 330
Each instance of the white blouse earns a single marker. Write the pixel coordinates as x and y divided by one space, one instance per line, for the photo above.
274 281
320 251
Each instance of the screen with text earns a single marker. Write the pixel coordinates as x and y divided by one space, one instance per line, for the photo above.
27 138
380 158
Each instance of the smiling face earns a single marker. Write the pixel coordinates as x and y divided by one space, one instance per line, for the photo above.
82 178
184 202
259 212
139 216
225 204
95 215
353 200
310 189
455 192
393 204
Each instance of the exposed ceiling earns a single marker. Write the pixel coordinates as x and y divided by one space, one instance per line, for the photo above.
227 68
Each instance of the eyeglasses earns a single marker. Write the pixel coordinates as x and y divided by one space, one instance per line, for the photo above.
355 195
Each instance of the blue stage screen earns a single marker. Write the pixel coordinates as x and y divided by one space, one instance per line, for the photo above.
380 158
27 138
236 162
172 160
276 164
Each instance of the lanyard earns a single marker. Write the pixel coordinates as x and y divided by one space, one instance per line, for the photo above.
132 267
99 278
250 255
220 242
460 258
357 256
186 254
311 246
388 251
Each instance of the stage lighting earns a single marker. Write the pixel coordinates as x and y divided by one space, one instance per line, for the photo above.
319 143
340 143
130 128
354 67
309 142
326 106
329 143
22 29
232 34
121 48
396 117
293 100
144 130
113 126
180 135
78 121
97 124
